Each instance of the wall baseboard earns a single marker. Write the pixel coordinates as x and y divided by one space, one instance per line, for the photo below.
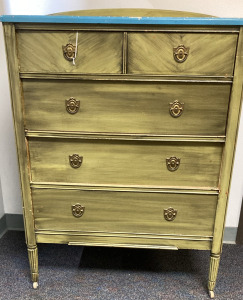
3 225
230 235
11 222
16 222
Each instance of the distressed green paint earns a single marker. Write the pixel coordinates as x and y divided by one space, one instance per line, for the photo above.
127 107
208 54
125 76
97 52
125 162
121 212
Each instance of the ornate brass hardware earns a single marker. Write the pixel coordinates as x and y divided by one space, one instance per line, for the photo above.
173 163
69 51
176 109
77 210
170 214
72 105
75 160
180 53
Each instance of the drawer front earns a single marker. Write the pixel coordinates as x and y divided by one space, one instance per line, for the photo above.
125 162
126 107
132 212
203 54
97 52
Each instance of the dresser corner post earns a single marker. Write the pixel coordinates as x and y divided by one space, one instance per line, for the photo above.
213 272
235 108
21 142
33 261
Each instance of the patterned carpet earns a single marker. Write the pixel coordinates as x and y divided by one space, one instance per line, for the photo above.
69 272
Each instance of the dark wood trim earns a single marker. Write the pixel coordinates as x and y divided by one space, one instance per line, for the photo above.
239 237
3 225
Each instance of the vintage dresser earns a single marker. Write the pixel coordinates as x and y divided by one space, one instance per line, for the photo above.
125 127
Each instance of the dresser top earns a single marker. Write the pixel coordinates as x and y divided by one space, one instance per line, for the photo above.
124 16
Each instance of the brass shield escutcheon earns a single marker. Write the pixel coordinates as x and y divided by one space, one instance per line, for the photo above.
173 163
77 210
176 109
69 51
75 160
72 105
170 214
180 53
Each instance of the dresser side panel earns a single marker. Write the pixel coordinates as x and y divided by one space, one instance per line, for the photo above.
16 98
229 150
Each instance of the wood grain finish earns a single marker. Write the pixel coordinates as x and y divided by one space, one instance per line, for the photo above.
125 162
98 52
124 212
209 54
130 107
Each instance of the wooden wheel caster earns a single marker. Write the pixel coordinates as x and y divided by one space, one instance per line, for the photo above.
35 285
211 294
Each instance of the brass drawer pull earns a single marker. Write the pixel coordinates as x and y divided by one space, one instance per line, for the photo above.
77 210
75 160
170 214
72 105
69 51
173 163
176 109
180 53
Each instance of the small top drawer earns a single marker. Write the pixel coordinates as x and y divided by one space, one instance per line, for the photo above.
47 51
209 54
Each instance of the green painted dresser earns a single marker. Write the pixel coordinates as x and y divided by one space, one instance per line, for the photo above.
125 127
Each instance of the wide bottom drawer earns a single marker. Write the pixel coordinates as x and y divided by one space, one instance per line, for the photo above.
124 212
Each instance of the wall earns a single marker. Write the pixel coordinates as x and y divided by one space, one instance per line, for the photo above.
1 196
8 161
227 8
8 157
2 62
1 203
